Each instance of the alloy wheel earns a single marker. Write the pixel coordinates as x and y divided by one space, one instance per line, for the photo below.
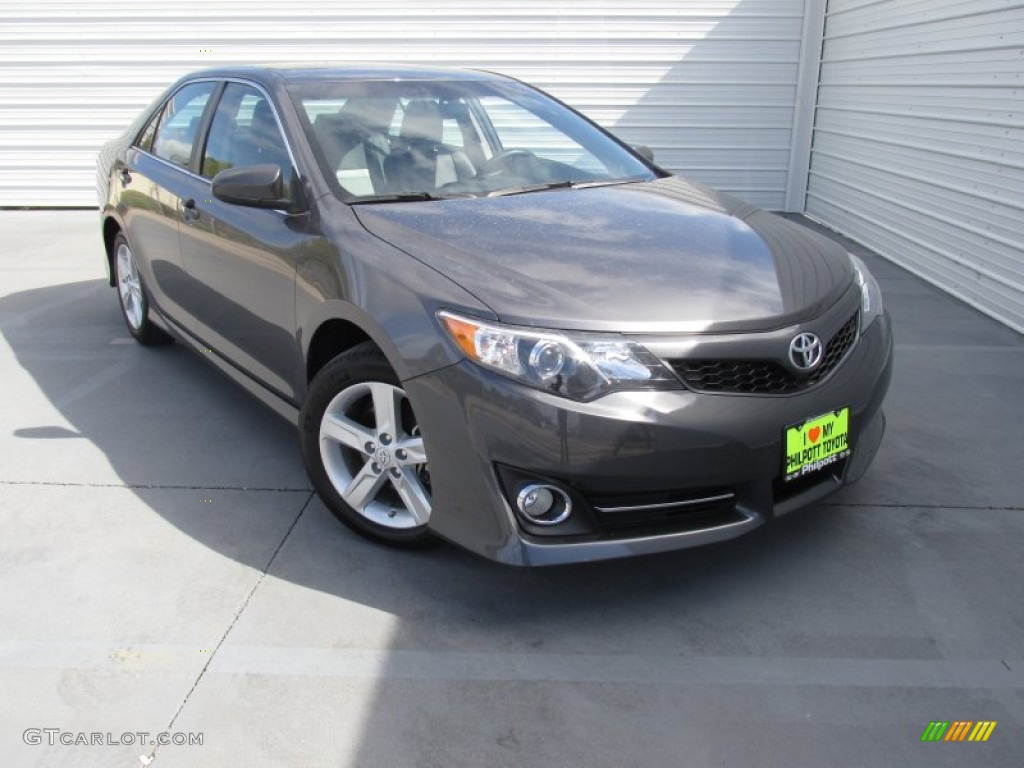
129 286
374 456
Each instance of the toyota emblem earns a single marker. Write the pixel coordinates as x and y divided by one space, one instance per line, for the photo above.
806 351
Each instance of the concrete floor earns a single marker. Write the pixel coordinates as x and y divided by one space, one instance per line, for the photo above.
165 567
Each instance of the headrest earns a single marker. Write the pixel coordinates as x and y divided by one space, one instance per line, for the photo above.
373 115
263 118
422 121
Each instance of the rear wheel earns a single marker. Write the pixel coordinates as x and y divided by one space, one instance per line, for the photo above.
131 292
363 449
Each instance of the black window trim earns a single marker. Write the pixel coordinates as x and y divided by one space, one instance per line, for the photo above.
218 86
202 134
204 128
199 145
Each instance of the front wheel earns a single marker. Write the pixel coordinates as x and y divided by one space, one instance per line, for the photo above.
363 450
131 292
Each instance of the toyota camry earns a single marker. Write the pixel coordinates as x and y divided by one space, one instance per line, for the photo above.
491 321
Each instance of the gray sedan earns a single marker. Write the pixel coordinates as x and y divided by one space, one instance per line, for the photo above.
491 320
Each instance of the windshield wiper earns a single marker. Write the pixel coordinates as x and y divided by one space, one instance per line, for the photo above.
568 184
532 188
405 197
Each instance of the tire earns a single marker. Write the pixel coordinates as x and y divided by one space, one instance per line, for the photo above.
132 296
363 451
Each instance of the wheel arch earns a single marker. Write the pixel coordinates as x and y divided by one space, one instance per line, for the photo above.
337 326
111 227
332 337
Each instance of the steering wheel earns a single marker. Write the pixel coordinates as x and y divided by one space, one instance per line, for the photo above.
517 161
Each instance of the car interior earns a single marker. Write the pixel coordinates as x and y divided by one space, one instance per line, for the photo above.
370 157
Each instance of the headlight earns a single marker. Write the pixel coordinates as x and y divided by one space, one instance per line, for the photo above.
870 294
580 366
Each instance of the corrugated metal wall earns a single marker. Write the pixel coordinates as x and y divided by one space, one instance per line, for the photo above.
918 147
709 84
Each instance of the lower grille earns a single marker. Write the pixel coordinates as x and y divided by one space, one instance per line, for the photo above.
665 513
764 377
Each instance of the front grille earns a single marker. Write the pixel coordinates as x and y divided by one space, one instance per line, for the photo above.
764 377
653 515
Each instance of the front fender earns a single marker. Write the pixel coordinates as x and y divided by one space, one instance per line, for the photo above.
351 275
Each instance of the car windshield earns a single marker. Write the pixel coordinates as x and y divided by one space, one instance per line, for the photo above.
393 141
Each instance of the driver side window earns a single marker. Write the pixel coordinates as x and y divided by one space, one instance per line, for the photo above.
244 132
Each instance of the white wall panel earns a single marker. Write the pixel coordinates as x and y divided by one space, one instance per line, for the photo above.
918 147
709 84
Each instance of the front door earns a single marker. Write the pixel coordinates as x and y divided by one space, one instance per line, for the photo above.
241 260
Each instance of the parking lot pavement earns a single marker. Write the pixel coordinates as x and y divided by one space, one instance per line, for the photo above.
165 567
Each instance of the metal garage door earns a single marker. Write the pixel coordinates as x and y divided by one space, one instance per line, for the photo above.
918 145
709 84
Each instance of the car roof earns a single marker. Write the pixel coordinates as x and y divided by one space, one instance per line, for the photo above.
304 72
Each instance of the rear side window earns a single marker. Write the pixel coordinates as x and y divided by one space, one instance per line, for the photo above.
179 123
146 138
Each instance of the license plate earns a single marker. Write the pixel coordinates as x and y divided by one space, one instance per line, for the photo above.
817 443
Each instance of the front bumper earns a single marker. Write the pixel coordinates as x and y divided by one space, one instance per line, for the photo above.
632 449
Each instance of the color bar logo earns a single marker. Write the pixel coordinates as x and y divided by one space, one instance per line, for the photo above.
959 730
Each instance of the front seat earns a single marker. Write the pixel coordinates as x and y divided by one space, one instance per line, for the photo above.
356 139
261 142
268 137
422 162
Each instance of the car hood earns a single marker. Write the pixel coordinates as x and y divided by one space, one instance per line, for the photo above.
647 257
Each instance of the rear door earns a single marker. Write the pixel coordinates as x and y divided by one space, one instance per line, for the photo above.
151 181
241 261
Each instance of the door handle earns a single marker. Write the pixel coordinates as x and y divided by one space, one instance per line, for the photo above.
191 213
126 178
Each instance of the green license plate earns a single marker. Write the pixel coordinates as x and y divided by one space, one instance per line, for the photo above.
817 443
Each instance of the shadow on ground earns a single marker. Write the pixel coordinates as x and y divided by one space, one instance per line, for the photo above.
165 421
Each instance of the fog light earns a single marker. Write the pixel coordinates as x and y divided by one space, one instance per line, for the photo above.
536 501
544 504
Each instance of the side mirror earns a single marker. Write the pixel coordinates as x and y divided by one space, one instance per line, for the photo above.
645 152
256 186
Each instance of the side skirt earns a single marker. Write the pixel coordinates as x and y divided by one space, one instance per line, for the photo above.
275 402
